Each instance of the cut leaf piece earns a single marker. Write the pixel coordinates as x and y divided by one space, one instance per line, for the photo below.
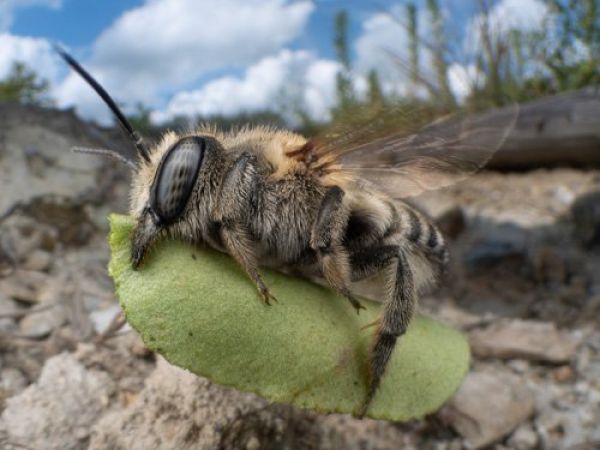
197 308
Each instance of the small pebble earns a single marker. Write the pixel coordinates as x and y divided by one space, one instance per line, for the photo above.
523 438
563 374
253 443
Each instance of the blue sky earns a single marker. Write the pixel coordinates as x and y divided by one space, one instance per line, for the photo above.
186 57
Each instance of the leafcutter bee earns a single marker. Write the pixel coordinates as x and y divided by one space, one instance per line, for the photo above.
328 207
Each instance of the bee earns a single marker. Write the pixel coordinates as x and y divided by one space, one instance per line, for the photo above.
330 207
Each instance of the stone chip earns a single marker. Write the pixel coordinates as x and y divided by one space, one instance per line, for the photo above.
526 339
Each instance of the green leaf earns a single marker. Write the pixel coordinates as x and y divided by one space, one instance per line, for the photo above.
198 309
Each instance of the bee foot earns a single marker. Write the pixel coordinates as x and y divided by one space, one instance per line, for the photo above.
358 306
371 324
267 297
137 257
355 303
362 411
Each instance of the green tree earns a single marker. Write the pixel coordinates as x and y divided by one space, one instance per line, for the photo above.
345 93
22 85
440 50
574 61
375 98
141 121
413 45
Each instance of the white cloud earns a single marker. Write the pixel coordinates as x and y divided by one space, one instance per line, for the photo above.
463 78
319 93
507 15
8 8
164 45
383 45
35 53
278 83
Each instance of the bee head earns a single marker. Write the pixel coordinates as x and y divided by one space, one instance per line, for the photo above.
163 179
162 192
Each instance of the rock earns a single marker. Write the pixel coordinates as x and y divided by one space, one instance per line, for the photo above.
12 381
23 236
451 222
41 324
523 438
585 213
496 244
7 325
348 433
38 260
487 407
569 428
563 374
592 445
448 312
58 410
120 360
24 285
178 410
103 318
519 366
9 311
527 339
66 215
37 160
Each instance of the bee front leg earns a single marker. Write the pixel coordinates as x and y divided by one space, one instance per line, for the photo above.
144 235
239 246
326 239
235 205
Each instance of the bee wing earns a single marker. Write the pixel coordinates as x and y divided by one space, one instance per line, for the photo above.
405 165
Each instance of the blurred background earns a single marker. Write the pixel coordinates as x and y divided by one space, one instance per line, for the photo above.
524 234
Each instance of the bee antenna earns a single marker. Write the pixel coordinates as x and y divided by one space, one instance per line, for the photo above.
137 139
104 152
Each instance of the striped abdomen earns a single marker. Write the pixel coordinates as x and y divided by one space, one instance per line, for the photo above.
419 231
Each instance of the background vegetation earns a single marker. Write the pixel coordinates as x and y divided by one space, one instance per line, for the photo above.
507 66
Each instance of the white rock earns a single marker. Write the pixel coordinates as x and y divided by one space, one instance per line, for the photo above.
104 317
173 406
12 380
38 260
523 438
526 339
40 324
24 285
488 406
51 413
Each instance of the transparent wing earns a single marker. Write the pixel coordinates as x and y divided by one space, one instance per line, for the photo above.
405 164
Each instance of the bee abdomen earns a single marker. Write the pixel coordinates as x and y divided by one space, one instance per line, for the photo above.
423 234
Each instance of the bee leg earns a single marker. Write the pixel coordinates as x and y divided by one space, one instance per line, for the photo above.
144 234
326 239
239 246
397 312
236 203
370 261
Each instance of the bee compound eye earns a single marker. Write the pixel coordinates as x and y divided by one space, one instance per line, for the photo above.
174 182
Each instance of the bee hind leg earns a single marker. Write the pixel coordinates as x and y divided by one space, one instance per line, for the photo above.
397 312
326 239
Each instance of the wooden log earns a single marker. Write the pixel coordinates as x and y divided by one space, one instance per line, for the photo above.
562 130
